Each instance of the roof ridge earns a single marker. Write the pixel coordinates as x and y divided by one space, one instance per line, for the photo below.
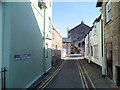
79 25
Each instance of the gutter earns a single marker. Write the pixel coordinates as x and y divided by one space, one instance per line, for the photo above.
42 5
99 3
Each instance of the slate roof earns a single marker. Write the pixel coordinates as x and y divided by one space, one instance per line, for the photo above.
80 26
77 33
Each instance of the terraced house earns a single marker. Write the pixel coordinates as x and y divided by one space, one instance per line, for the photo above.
94 44
25 42
111 19
56 46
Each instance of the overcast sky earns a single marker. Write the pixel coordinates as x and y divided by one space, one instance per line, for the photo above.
69 14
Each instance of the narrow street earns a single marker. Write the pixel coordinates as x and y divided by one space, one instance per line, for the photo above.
59 44
74 73
68 77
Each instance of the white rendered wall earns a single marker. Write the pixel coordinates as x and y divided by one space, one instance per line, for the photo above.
0 41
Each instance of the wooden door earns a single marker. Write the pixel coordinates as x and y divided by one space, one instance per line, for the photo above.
109 60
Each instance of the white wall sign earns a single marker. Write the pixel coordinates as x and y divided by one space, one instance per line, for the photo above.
22 57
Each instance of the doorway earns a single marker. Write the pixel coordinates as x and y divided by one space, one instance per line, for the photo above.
109 60
118 76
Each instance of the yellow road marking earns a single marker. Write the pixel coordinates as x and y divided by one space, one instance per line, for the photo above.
89 77
80 76
52 76
83 77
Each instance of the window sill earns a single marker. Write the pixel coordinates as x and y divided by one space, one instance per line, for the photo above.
107 22
95 57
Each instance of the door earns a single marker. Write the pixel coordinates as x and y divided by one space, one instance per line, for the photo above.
118 76
109 61
0 42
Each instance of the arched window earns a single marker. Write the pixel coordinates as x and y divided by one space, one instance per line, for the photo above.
79 44
83 43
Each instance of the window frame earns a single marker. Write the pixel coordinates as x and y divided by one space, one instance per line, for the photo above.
50 24
95 51
108 11
46 51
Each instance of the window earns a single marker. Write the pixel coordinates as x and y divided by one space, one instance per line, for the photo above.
91 51
83 43
108 11
53 36
95 53
50 3
46 51
95 28
55 46
79 44
49 24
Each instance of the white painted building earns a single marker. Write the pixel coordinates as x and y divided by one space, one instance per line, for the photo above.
94 43
97 42
25 42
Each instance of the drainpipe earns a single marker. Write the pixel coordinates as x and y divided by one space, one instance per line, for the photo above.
44 41
88 47
44 8
42 5
102 40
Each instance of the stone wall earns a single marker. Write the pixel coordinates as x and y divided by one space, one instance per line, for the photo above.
56 46
112 35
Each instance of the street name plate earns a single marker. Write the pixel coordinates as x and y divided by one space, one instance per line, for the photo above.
22 57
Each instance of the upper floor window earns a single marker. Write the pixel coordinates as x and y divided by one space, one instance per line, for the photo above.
46 51
95 28
108 11
50 3
49 24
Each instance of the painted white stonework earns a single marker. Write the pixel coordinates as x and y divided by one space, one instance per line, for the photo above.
0 41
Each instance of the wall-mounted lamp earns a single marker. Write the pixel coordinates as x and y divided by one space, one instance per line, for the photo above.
42 4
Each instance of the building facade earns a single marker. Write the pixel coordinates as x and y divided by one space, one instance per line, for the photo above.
66 46
56 46
77 37
25 42
94 48
0 43
86 54
97 41
111 19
